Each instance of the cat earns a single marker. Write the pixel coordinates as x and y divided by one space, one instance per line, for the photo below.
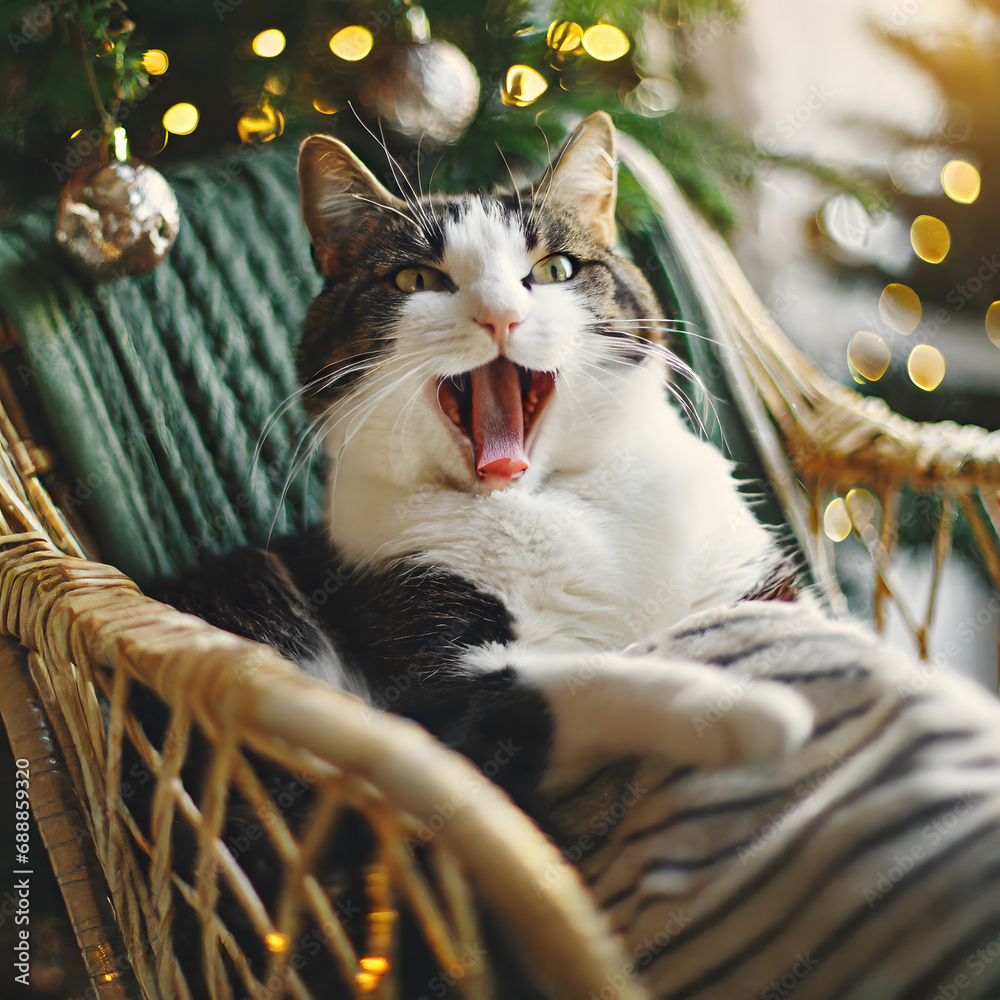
510 485
509 480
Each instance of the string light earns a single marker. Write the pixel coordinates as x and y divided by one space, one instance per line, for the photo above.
861 506
325 107
260 124
276 942
605 42
930 239
899 307
836 520
926 367
869 354
993 323
564 36
181 119
269 43
367 982
121 144
352 43
155 62
961 181
522 86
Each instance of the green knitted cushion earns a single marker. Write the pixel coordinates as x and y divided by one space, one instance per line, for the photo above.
158 388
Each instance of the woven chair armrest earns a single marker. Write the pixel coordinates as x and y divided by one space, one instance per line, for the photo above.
64 607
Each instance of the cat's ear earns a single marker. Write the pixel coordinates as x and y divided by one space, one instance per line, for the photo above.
337 189
585 175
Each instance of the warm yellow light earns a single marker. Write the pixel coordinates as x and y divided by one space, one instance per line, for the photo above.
260 124
276 942
605 42
926 366
181 119
961 181
900 308
325 107
121 144
993 323
76 133
522 86
269 43
564 36
930 239
836 520
352 43
367 982
861 506
155 62
375 964
869 354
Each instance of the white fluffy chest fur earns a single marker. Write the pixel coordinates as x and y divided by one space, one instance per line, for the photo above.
651 529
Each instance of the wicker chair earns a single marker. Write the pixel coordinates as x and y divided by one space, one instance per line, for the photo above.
142 381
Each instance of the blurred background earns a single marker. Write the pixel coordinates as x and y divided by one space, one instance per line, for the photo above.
902 91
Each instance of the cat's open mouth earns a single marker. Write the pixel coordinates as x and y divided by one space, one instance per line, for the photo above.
495 407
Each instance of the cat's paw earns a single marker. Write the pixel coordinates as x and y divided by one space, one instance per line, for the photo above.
688 712
739 720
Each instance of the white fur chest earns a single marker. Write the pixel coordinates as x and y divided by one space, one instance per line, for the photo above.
597 558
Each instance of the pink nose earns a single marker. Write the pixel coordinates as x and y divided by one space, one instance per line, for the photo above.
499 324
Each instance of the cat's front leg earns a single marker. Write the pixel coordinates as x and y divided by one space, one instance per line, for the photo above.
608 706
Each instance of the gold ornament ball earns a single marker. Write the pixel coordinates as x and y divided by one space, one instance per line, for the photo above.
117 219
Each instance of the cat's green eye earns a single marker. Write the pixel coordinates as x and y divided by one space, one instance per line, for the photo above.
421 279
558 267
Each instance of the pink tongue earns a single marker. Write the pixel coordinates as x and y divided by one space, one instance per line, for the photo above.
498 420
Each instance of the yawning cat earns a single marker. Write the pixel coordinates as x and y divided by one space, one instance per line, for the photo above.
514 508
509 484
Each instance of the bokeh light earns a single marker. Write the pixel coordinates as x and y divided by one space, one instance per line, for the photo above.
899 307
325 106
276 942
926 366
836 520
269 43
930 239
352 43
993 323
121 144
605 42
861 506
260 124
181 119
870 355
522 86
961 181
155 62
564 36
